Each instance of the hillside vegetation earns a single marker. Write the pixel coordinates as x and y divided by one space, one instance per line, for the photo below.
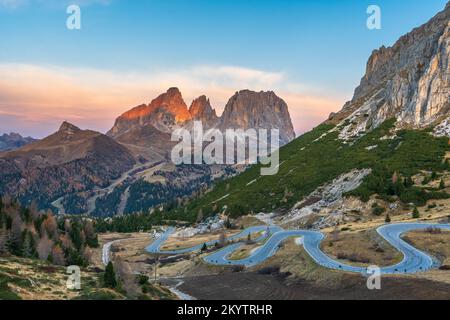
318 157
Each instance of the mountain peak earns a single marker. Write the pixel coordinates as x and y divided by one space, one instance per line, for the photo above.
201 110
250 109
173 91
68 127
13 141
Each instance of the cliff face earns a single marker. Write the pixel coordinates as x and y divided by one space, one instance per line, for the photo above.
249 109
145 129
409 81
164 113
201 110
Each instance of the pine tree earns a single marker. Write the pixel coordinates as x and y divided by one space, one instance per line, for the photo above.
416 213
204 247
109 277
27 245
442 184
433 175
388 219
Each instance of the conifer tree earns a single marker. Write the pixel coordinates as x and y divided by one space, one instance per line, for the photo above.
109 277
416 213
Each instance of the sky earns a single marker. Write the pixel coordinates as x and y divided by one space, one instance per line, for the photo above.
311 53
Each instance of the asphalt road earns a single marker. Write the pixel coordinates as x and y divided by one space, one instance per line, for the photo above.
413 261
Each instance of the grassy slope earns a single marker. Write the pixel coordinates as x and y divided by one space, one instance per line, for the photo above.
307 163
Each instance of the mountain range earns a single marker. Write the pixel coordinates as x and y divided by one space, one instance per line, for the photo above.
13 141
396 125
83 171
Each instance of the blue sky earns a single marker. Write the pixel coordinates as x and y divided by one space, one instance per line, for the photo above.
315 49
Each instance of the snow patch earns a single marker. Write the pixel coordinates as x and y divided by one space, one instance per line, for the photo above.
442 129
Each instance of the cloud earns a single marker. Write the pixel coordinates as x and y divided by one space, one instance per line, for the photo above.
12 4
36 99
15 4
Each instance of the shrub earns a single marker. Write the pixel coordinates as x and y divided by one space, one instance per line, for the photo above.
388 219
416 213
238 268
377 211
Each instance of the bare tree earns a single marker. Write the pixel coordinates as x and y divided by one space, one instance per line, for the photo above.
58 256
16 230
222 239
200 215
126 277
66 241
4 236
50 225
44 247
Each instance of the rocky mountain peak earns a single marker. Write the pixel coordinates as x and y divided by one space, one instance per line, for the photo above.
249 109
201 110
172 103
68 127
164 113
246 109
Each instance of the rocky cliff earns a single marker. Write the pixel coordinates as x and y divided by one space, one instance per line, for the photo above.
249 109
201 110
145 129
164 113
409 81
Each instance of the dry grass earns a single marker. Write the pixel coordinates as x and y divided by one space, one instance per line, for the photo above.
361 248
177 243
243 252
292 258
438 245
249 221
36 280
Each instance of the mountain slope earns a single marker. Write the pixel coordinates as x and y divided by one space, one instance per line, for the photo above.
70 160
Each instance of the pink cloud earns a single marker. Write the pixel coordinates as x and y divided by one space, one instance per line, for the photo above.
34 100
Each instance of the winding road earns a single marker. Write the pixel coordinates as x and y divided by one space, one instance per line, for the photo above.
413 261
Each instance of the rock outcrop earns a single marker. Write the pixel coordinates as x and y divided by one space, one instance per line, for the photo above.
248 109
164 113
409 81
146 129
201 110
